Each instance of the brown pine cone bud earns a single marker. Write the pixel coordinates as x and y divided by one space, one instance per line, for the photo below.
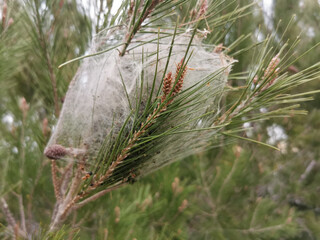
55 151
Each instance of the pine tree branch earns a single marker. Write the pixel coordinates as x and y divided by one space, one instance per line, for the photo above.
135 26
7 213
21 209
11 221
46 55
63 207
170 90
71 202
269 78
96 196
54 85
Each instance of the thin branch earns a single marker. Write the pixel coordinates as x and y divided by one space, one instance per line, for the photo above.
74 185
55 180
269 78
96 196
56 15
7 213
11 221
65 179
310 168
137 25
21 208
63 207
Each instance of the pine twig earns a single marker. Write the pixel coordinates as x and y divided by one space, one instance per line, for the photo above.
11 221
52 76
96 196
135 26
270 75
21 209
65 178
7 213
130 12
310 168
170 90
167 84
203 9
71 202
55 180
54 84
76 181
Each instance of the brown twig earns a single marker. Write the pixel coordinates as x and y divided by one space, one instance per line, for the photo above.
56 15
65 178
202 9
55 180
11 221
76 181
62 208
4 14
96 196
130 12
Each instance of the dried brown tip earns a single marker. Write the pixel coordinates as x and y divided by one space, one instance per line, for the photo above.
117 213
10 22
45 127
4 13
183 205
203 8
24 106
55 151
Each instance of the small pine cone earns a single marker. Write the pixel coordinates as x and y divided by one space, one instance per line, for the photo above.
55 151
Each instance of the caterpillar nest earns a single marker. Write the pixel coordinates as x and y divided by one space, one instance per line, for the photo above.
109 93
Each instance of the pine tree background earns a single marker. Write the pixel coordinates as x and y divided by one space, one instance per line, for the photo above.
239 191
